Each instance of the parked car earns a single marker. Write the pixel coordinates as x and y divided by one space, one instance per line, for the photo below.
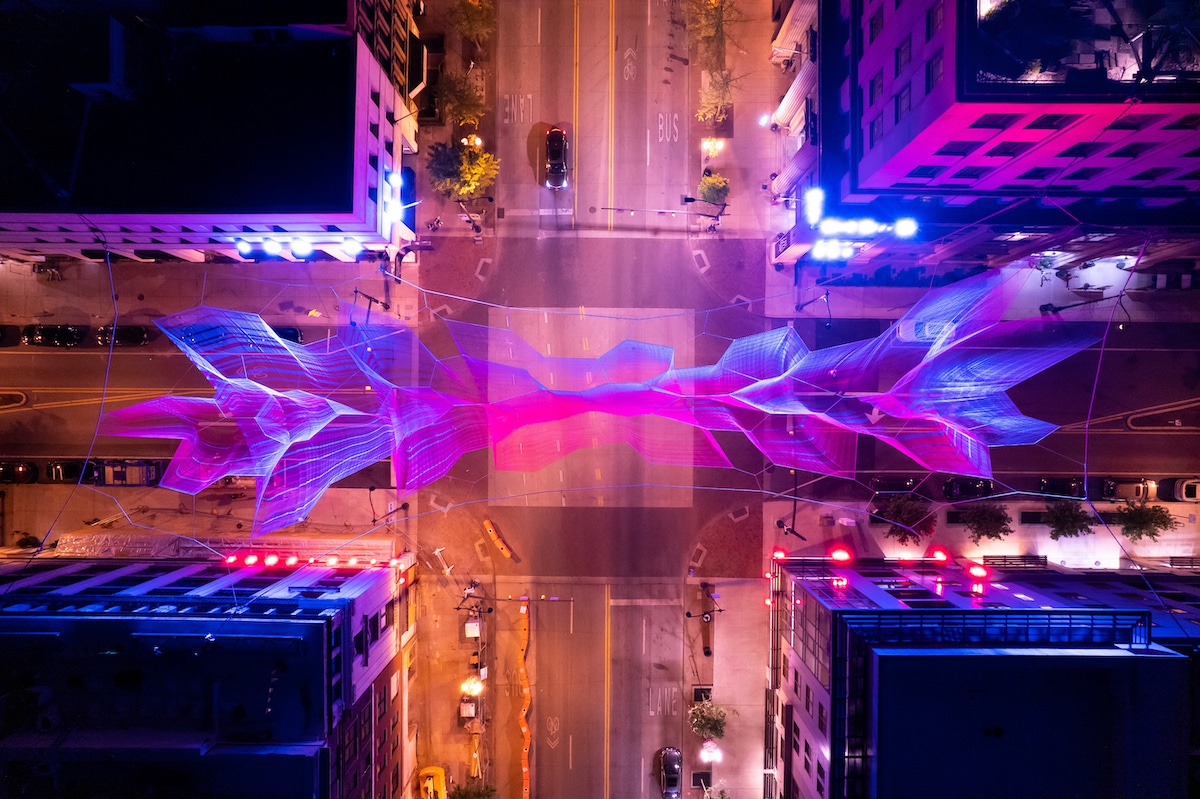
73 471
131 473
1062 486
960 488
18 472
1187 489
52 335
556 159
894 484
122 336
293 334
1117 489
670 773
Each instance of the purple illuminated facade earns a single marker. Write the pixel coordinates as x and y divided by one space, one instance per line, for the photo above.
301 417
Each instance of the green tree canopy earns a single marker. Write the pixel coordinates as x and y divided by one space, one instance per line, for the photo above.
987 520
713 189
709 23
460 173
475 20
1142 520
471 790
716 96
707 720
1067 519
908 516
460 98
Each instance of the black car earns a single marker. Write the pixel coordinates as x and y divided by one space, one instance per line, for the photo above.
18 472
1062 486
960 488
894 484
122 336
556 159
73 471
52 335
293 334
670 773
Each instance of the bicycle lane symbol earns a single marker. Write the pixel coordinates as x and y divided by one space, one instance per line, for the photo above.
630 71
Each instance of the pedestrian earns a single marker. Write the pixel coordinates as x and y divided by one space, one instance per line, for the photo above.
437 222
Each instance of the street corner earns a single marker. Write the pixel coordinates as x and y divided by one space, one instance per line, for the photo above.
729 545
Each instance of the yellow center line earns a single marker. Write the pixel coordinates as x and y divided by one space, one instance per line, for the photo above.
612 104
575 123
607 681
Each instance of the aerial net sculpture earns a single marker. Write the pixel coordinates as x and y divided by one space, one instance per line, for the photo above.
298 418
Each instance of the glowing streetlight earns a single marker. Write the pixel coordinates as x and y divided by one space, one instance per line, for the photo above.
711 147
710 753
474 140
472 687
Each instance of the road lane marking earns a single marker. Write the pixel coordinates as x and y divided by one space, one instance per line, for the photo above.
612 104
607 681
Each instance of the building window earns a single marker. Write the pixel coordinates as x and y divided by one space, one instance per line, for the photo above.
1131 150
822 718
876 25
934 16
875 90
876 132
807 756
1085 173
903 54
996 121
1038 173
795 737
808 699
1081 150
1052 121
820 779
933 71
959 148
903 101
1186 122
971 172
1008 149
925 172
1135 121
796 681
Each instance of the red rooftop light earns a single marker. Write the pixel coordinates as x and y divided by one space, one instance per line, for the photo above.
270 560
766 575
250 560
778 553
331 560
292 560
840 554
231 559
939 554
976 570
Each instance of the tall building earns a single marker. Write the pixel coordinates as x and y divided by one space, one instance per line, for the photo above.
199 130
1027 116
258 673
931 678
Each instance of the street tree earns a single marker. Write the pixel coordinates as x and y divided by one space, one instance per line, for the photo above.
460 99
1142 520
713 189
471 790
459 172
707 720
908 516
1067 519
987 520
475 20
709 26
716 96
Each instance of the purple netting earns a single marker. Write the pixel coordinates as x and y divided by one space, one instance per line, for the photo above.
300 417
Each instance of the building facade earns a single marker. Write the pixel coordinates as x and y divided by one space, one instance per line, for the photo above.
255 674
930 678
233 130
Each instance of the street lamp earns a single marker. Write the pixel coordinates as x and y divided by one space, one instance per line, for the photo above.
788 529
474 140
711 147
